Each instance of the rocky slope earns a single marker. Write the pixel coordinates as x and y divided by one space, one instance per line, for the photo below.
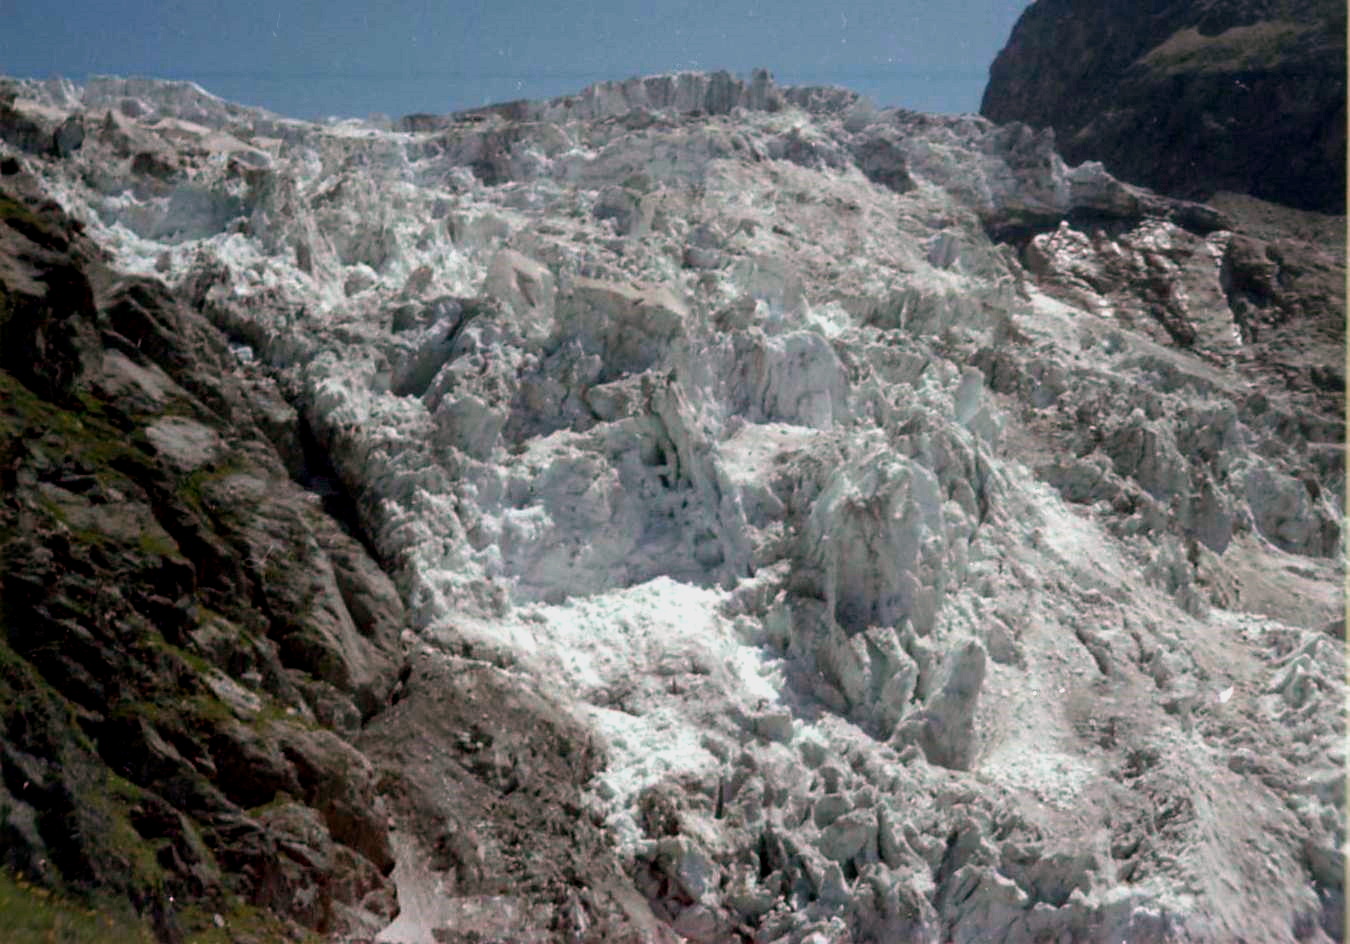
185 629
814 523
1188 98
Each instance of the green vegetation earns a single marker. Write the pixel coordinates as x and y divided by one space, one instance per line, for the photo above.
191 487
157 543
279 800
177 711
112 803
1240 49
86 436
25 691
241 921
11 209
30 914
33 915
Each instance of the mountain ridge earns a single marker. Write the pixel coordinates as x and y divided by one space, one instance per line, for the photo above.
1190 99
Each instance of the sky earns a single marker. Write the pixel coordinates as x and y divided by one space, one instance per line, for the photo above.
320 58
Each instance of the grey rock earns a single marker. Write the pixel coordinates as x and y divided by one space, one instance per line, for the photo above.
68 137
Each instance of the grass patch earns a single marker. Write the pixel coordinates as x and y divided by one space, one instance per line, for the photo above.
176 710
193 487
241 921
157 543
24 690
86 435
11 209
112 800
1252 48
33 915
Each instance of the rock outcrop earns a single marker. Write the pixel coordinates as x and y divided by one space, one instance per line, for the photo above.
1188 98
813 522
184 627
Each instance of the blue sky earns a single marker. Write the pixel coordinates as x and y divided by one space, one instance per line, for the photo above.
312 58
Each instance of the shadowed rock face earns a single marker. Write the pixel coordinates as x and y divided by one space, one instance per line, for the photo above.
180 625
1187 98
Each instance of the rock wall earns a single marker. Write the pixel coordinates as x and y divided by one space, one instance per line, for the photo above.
1189 99
184 629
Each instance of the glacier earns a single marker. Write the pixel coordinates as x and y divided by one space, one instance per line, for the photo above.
893 502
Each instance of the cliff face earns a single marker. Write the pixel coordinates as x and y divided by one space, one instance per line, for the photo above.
812 523
186 637
1187 98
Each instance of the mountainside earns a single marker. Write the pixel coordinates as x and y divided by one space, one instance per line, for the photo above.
184 628
1188 98
802 522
